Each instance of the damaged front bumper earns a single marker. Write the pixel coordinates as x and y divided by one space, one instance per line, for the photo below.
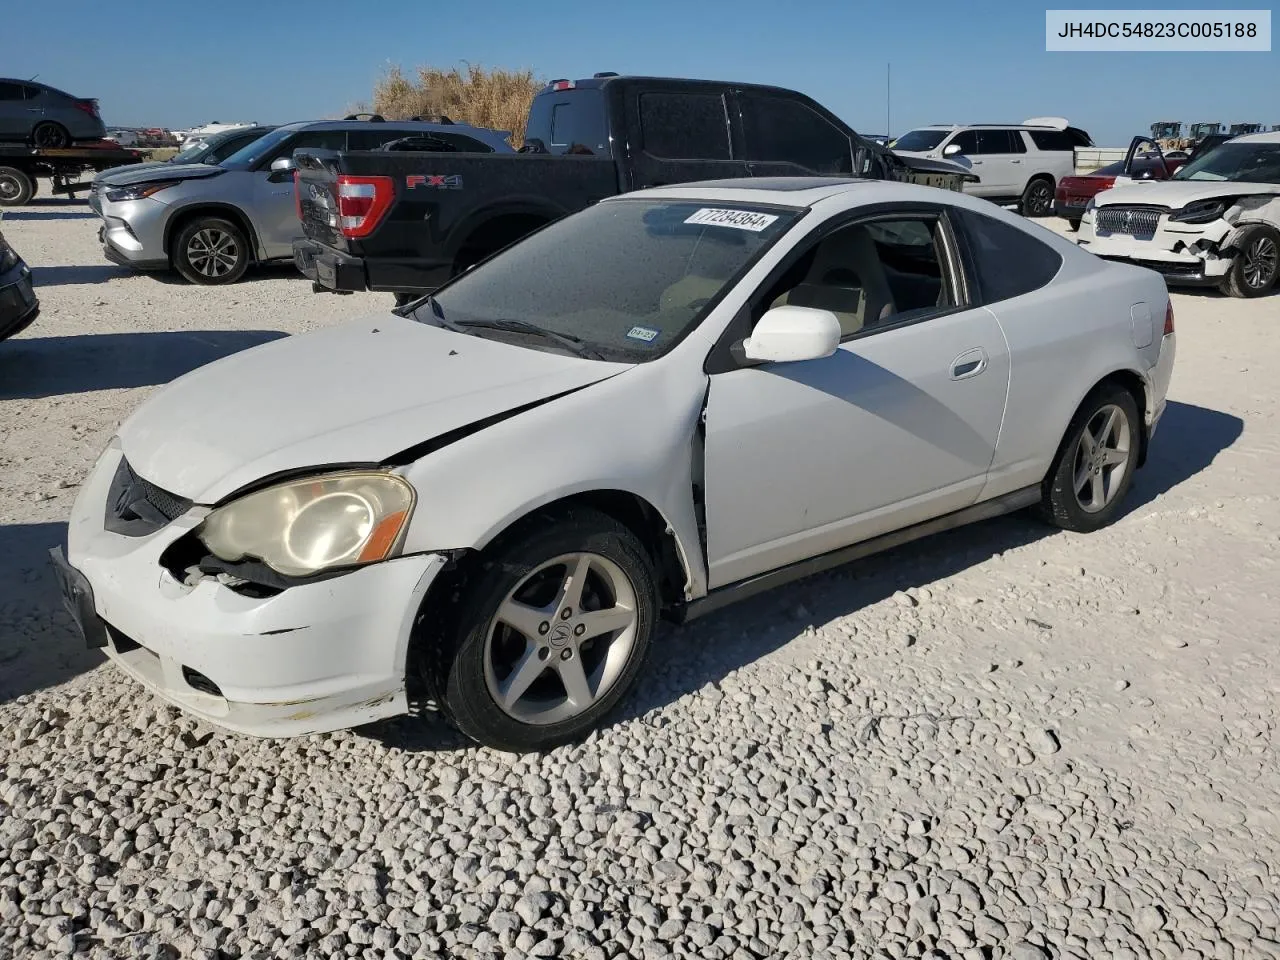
1184 253
312 658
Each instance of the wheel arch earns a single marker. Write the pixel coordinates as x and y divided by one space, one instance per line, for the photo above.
492 228
185 215
1138 387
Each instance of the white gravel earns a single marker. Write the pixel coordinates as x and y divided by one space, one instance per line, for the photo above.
1002 743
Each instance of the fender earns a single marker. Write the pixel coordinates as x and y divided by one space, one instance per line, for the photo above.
199 207
522 205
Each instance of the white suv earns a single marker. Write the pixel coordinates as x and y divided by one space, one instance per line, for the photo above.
1016 163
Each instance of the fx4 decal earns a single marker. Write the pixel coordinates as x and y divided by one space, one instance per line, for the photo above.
413 181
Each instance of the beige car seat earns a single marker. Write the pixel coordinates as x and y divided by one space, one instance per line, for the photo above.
847 278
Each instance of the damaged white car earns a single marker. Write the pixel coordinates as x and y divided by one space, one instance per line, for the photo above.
1215 223
668 401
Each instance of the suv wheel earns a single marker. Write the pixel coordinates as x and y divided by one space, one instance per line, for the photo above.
1037 198
1256 268
50 136
211 251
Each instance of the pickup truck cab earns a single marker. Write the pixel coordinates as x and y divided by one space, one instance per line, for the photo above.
406 222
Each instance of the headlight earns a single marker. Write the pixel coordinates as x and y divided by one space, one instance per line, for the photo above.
1202 211
1091 205
138 191
317 523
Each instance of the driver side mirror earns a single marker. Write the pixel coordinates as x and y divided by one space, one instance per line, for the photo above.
281 169
789 333
952 150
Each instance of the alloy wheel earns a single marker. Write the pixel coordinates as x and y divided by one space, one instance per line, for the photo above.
10 188
1102 458
1260 261
212 252
561 639
1039 199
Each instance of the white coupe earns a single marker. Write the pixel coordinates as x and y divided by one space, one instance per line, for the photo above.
670 400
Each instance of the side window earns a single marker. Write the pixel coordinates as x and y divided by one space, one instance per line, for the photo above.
12 91
786 131
1017 143
684 126
311 139
999 141
967 140
1052 140
871 274
1009 262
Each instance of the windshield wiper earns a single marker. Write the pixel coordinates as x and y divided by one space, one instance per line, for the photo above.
567 340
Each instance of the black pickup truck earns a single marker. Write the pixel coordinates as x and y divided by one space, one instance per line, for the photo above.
408 220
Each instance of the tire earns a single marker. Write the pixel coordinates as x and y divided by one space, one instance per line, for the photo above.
476 658
50 136
1037 198
210 251
16 188
1104 481
1256 267
1075 223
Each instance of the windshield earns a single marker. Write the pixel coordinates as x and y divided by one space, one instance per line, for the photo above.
1240 162
626 278
920 140
251 152
192 152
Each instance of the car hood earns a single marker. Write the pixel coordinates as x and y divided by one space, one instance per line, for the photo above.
924 164
1179 193
147 173
112 172
358 393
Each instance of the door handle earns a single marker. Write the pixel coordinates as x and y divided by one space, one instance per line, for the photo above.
969 364
1015 161
977 163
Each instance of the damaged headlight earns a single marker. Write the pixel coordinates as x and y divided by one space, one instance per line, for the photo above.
317 523
1202 211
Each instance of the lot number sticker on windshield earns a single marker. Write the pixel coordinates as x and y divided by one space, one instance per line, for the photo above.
738 219
647 334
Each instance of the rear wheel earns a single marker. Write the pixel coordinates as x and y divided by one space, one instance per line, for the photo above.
50 136
547 637
1037 198
16 188
1094 468
211 251
1257 265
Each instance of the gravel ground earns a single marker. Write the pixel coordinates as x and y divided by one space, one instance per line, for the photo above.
1005 742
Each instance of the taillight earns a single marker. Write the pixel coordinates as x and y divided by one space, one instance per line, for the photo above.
562 85
297 195
362 202
88 106
1168 319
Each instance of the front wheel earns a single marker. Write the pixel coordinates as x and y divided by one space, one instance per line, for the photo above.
1256 267
1075 223
1084 489
548 635
211 251
1037 198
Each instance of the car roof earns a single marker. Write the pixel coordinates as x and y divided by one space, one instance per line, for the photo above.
412 126
595 83
984 126
1269 137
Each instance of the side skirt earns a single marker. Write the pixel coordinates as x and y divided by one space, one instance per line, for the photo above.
732 593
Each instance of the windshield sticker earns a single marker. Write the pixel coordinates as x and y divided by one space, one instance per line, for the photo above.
738 219
647 334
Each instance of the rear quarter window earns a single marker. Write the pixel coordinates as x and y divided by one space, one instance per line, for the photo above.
1008 262
1052 140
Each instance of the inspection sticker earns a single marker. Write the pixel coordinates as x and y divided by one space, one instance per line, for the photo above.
647 334
738 219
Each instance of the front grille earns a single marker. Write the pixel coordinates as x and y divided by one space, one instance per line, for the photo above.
1133 221
137 507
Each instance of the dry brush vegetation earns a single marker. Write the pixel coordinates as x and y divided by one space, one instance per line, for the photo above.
495 98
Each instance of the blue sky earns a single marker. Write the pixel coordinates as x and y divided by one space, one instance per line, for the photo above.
176 64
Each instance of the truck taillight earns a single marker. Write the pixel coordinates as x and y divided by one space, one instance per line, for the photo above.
563 85
362 203
1168 319
297 195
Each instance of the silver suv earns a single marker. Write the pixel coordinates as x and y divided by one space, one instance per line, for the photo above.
210 221
1015 163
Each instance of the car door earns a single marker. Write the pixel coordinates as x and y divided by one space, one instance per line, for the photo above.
274 214
15 120
683 136
781 137
898 426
